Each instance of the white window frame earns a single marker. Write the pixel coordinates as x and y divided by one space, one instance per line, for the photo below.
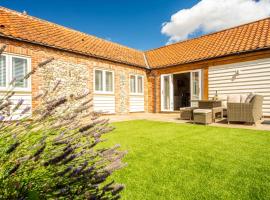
4 88
9 73
103 81
136 84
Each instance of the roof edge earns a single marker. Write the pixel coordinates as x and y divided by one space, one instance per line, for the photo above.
207 59
71 29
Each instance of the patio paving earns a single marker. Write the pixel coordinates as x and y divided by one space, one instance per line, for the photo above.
174 117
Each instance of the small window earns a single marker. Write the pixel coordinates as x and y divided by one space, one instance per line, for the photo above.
136 84
98 80
3 71
104 81
109 81
140 84
133 84
13 69
19 70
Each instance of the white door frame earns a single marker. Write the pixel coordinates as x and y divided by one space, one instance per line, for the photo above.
171 104
191 86
172 88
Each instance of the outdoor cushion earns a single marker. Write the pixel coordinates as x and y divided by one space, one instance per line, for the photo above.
249 98
202 111
187 108
243 98
235 98
224 100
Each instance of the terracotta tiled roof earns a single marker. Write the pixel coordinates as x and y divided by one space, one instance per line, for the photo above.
244 38
20 26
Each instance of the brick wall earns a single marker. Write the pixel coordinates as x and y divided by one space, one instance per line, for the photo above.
151 81
39 53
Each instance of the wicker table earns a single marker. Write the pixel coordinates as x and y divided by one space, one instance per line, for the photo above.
217 112
209 104
214 105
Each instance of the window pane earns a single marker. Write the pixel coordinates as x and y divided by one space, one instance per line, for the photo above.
19 70
109 82
140 84
2 71
195 81
167 91
132 84
98 80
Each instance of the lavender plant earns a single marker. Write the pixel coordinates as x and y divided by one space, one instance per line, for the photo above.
55 152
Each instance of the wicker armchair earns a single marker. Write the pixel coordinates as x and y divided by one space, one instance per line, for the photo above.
245 112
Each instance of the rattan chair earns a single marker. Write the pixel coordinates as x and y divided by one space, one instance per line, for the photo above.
245 112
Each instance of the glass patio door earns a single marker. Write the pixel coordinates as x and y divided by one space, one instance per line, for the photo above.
166 92
195 83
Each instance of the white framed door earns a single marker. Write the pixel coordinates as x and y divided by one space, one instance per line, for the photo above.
167 92
195 86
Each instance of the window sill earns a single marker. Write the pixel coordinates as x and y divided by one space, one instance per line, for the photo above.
136 94
104 93
5 89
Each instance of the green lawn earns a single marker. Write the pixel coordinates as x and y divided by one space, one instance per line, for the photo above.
182 161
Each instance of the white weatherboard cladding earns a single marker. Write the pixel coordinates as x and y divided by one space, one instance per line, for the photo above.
104 103
136 103
26 102
242 78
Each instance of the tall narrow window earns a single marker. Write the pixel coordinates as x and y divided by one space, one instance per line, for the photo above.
136 84
140 84
103 81
19 70
133 84
98 80
3 71
109 81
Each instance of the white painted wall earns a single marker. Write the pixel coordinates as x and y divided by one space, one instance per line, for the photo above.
104 103
136 103
254 76
27 102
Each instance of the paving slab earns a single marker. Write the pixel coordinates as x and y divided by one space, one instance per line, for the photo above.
174 117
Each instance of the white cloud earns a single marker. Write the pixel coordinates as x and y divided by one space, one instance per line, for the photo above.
213 15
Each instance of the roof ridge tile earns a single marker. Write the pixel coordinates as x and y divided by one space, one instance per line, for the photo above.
240 39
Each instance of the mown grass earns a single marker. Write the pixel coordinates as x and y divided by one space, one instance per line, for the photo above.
182 161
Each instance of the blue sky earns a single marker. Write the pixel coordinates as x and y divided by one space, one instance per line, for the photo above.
141 23
134 23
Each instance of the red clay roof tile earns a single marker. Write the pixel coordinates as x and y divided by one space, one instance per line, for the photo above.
21 26
247 37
